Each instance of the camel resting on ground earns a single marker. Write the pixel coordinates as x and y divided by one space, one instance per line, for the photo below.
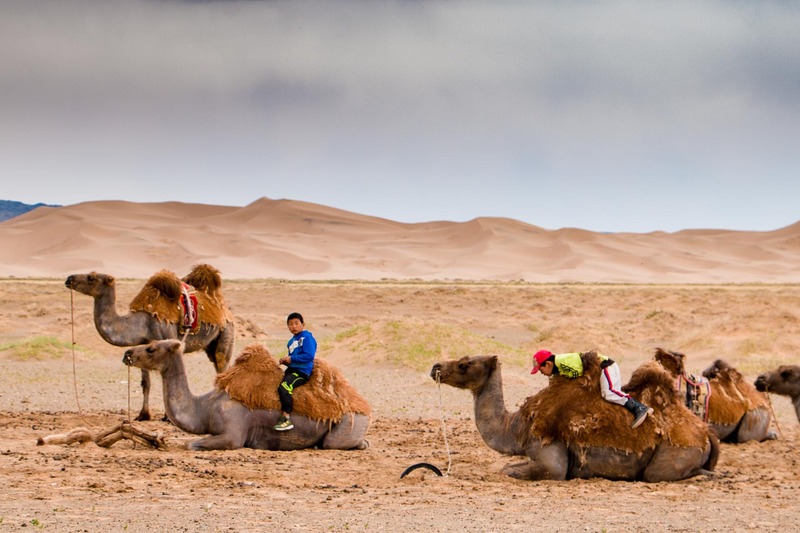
736 410
156 314
242 409
567 430
784 380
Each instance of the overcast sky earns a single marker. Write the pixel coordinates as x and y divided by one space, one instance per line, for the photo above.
609 116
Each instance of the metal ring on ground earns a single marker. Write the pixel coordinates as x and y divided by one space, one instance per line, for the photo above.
421 465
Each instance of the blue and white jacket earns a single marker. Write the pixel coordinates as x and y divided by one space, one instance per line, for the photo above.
302 349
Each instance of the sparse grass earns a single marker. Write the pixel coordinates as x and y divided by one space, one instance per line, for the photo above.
38 348
652 314
542 334
417 344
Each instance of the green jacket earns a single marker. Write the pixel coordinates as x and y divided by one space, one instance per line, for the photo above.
570 365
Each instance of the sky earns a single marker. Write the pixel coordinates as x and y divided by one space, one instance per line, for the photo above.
631 116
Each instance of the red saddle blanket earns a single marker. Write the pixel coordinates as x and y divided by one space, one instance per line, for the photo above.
188 306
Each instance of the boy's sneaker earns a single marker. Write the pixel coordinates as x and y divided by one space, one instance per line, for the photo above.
284 424
639 414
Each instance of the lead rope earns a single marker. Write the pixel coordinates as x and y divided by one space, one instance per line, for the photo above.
444 427
74 369
772 410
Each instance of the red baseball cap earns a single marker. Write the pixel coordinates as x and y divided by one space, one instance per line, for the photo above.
538 358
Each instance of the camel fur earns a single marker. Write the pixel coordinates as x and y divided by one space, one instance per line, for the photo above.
255 375
736 410
230 423
155 313
784 380
567 430
160 296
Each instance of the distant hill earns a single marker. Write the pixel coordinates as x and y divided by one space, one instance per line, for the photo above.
289 239
11 209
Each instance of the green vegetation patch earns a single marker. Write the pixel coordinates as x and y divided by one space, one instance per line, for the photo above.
37 348
418 345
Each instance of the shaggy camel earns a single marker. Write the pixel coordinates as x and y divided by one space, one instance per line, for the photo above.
736 410
567 430
784 380
155 314
329 413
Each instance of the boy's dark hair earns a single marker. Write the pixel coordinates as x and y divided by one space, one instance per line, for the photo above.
296 315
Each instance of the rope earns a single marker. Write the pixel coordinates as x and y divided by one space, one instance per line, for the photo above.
129 394
444 427
74 368
774 418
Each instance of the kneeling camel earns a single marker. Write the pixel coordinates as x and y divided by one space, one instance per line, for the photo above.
736 410
328 413
568 431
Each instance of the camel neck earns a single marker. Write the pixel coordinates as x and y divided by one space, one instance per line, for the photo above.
181 405
497 426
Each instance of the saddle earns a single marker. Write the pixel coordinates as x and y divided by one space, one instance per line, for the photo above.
696 391
188 301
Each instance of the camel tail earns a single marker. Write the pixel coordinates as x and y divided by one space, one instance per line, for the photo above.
713 457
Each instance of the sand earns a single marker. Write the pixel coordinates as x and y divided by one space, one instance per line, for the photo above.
287 239
83 487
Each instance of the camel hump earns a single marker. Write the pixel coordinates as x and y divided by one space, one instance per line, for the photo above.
254 377
167 283
718 367
205 278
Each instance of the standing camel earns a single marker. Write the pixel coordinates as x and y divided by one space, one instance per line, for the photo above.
158 312
784 380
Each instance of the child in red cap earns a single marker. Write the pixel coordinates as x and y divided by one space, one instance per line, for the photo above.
570 366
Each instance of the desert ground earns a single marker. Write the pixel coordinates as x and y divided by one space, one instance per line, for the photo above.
58 374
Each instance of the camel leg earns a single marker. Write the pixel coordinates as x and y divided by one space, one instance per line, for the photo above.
546 462
348 434
673 463
225 441
219 350
144 414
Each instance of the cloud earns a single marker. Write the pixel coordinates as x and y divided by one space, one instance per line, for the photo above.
352 98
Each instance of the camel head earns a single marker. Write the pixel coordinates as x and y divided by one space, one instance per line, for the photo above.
671 361
785 380
466 373
91 284
153 356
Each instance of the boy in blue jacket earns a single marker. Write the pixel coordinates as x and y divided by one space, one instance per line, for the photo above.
299 364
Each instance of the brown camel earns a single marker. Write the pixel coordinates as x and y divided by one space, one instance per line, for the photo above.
568 431
156 313
243 408
784 380
736 410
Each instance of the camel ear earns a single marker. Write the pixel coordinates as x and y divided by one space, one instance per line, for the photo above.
493 362
110 280
175 345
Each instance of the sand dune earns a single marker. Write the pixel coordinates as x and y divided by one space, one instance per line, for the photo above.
299 240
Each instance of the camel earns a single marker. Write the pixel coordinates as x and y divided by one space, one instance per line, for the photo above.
155 314
243 407
736 410
784 380
568 431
